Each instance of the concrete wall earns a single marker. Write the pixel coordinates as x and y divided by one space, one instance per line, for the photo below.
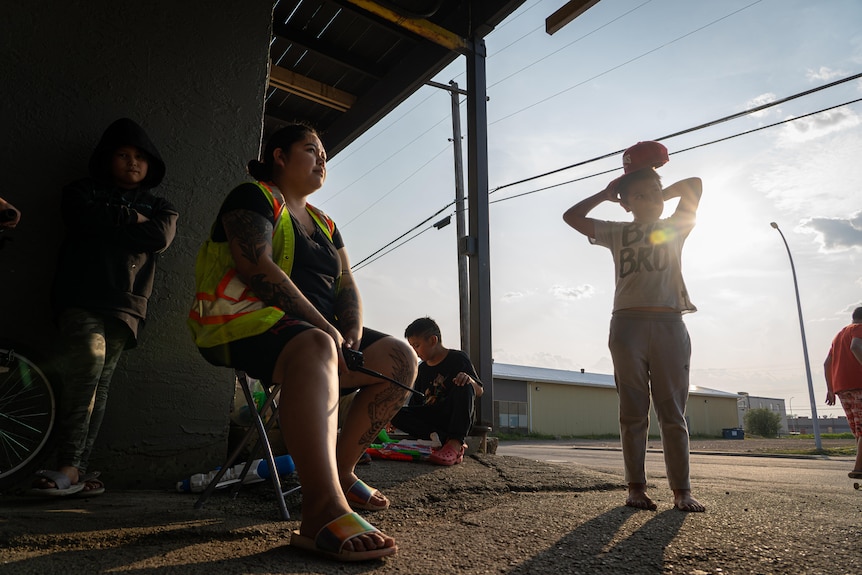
193 75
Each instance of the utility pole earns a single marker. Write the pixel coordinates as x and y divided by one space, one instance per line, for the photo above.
460 218
460 211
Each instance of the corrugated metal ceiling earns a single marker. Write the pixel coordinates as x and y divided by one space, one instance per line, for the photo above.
342 65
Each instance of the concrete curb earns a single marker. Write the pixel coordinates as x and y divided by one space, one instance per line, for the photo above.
729 453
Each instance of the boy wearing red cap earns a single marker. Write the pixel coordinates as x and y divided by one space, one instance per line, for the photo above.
648 340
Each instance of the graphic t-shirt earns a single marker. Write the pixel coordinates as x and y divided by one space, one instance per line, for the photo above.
648 261
435 381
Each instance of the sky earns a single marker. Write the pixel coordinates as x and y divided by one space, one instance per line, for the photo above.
623 72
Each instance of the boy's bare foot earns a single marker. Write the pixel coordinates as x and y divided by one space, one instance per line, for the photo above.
683 501
638 498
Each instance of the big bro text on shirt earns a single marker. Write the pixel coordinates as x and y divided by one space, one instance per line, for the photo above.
645 247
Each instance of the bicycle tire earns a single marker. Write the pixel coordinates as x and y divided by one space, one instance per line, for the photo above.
28 409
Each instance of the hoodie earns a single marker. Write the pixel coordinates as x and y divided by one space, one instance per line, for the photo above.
125 132
107 260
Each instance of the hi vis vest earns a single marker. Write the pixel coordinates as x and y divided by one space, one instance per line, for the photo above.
225 309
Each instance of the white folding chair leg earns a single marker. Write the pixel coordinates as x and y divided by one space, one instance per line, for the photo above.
258 428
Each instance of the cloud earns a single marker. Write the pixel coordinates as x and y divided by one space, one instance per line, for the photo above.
513 295
824 74
818 125
759 101
836 234
848 310
566 293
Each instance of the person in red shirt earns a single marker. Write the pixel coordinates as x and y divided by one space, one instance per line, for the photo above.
843 368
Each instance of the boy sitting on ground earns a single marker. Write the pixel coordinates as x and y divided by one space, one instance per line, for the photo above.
451 386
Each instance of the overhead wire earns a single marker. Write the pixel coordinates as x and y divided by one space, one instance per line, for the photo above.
395 187
395 122
727 118
749 111
711 123
395 153
358 265
402 148
647 53
575 41
716 141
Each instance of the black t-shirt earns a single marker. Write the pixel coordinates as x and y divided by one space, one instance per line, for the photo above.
435 381
316 264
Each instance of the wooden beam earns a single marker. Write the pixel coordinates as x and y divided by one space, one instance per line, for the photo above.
424 28
567 13
305 87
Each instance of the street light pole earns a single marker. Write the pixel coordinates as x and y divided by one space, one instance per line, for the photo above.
814 420
791 410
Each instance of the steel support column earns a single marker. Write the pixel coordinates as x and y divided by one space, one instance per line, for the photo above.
478 241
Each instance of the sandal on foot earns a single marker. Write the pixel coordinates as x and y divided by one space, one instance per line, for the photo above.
331 538
360 494
855 475
447 455
62 484
92 479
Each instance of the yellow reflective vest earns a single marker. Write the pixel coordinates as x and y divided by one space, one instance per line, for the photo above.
225 309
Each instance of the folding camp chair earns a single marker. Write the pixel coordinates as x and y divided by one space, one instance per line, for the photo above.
257 432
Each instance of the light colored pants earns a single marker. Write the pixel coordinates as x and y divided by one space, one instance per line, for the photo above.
92 346
651 353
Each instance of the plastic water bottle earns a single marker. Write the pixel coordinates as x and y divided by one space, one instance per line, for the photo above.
258 471
240 414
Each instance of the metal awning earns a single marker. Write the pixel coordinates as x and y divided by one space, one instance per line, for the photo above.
342 65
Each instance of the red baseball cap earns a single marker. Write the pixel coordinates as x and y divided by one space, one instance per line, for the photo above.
644 155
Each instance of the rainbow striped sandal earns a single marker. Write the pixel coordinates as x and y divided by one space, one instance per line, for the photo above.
359 497
330 540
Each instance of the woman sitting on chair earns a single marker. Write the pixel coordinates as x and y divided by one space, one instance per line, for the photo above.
276 299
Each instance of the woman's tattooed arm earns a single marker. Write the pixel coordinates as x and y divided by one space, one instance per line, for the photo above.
250 237
348 304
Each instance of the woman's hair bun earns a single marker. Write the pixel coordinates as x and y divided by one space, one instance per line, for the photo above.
257 170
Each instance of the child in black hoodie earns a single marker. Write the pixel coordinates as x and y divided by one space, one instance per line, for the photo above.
115 229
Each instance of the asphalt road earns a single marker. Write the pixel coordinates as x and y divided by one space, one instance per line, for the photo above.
791 474
493 514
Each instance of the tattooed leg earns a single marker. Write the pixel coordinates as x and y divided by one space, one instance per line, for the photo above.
375 403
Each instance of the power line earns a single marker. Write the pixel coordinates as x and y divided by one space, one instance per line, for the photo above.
685 149
681 132
355 266
575 41
395 153
394 123
341 157
747 112
656 49
395 187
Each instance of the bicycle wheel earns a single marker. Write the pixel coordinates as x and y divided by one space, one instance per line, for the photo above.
27 413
